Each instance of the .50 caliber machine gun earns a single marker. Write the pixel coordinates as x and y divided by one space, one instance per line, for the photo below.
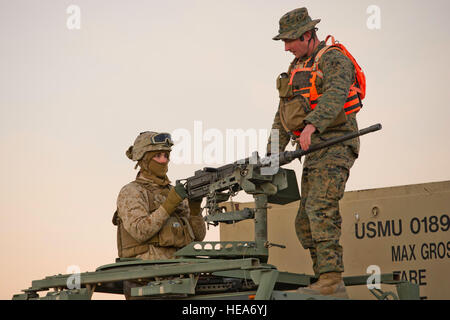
265 180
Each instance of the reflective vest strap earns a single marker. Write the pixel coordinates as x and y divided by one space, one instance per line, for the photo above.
302 68
355 87
319 55
350 104
298 70
333 42
304 92
315 67
313 89
352 109
297 133
351 98
353 103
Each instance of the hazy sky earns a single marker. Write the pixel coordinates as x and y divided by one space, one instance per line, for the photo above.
72 101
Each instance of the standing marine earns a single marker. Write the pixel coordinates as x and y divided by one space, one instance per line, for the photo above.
319 97
153 218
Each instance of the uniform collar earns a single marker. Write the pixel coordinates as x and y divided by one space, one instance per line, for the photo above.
152 180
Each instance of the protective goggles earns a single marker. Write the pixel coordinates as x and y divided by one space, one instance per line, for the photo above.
162 138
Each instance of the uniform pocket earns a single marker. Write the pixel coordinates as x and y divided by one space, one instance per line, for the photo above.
284 89
170 233
293 112
337 179
175 233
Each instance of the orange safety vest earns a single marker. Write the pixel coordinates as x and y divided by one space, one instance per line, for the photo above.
357 90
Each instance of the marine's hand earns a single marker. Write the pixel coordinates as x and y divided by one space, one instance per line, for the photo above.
305 137
180 190
175 196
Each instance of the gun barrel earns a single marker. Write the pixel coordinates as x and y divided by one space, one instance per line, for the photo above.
288 156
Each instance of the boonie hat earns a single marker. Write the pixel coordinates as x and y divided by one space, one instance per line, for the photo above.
294 24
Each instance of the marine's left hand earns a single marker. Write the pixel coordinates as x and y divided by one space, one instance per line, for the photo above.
305 137
180 190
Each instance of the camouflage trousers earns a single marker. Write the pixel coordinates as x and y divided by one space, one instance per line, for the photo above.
318 221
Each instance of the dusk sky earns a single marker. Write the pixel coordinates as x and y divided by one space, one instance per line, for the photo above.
73 100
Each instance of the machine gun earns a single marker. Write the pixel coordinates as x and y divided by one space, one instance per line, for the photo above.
204 183
265 180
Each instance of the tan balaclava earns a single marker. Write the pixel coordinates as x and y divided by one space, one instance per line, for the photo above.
153 170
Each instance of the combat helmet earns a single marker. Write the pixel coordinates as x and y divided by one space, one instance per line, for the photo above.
294 24
149 141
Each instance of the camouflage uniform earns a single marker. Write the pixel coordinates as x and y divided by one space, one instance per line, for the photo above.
325 172
153 218
139 209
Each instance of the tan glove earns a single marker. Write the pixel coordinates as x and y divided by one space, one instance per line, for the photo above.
175 196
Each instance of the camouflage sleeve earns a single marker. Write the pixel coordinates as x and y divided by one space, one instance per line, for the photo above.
132 209
198 227
338 76
282 134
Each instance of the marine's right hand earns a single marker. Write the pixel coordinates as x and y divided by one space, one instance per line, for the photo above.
305 137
